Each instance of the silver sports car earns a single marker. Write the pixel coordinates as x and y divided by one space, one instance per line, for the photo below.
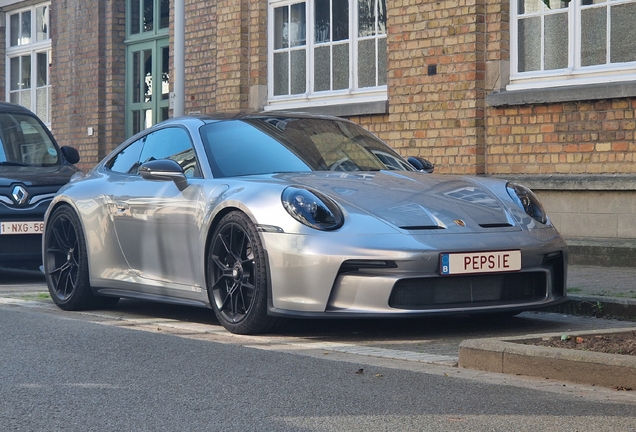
275 215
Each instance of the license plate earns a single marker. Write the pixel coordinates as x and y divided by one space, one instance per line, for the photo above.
480 262
21 227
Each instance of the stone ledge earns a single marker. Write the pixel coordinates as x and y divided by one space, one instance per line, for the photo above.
573 93
575 182
510 356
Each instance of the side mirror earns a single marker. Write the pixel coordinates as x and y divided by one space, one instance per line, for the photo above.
421 164
70 154
164 170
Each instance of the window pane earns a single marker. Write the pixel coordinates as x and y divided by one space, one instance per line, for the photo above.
281 27
281 71
42 65
41 104
42 23
556 41
165 73
623 33
136 78
148 76
322 25
366 63
340 20
25 98
382 67
593 36
149 14
15 29
529 6
530 44
136 116
366 18
298 72
297 25
134 16
26 73
322 68
558 4
127 160
341 66
25 32
165 14
15 74
381 16
591 2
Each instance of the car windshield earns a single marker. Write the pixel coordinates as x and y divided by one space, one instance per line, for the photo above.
264 145
24 142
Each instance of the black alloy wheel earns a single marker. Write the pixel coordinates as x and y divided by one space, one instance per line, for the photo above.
237 276
66 263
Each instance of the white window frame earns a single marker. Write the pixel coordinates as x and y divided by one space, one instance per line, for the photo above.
323 98
574 74
31 49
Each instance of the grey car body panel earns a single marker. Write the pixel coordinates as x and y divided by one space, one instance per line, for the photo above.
147 239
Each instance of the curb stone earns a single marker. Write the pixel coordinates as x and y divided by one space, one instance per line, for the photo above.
511 356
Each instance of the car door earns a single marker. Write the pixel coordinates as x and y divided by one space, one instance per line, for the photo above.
157 224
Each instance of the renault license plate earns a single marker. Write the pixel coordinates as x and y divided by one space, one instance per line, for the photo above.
21 227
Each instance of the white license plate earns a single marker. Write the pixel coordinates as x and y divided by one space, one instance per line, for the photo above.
480 262
21 227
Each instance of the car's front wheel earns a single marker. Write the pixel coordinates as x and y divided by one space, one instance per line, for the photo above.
237 276
66 263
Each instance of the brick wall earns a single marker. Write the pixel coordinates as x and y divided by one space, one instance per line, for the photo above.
87 75
563 138
438 116
201 55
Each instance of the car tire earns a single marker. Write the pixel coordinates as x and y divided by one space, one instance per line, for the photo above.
237 276
66 263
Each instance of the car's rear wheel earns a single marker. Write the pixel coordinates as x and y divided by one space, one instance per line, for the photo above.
66 263
237 276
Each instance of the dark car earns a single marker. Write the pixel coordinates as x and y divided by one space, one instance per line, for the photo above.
32 169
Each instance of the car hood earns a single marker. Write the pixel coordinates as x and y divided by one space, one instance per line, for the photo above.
36 176
414 201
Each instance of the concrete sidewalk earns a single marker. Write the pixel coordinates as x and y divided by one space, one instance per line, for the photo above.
601 291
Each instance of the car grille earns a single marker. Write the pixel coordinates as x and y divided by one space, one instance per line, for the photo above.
15 247
468 291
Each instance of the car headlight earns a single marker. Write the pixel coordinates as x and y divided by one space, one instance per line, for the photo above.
311 208
528 201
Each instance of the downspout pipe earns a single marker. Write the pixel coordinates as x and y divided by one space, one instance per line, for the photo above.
179 58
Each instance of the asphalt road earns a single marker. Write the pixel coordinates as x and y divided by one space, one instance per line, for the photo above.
63 372
145 366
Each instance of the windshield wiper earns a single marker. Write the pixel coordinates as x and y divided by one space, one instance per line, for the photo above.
7 163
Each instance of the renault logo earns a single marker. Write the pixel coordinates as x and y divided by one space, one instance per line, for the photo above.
20 195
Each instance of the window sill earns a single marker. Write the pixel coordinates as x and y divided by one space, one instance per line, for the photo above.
340 110
563 94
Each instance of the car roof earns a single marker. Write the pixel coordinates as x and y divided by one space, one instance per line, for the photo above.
10 107
223 116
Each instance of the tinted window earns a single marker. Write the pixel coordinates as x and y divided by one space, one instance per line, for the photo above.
263 145
127 160
171 143
25 142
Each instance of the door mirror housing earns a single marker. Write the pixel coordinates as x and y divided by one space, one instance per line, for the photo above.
421 164
164 170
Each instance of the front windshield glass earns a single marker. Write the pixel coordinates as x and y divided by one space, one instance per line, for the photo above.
264 145
24 142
